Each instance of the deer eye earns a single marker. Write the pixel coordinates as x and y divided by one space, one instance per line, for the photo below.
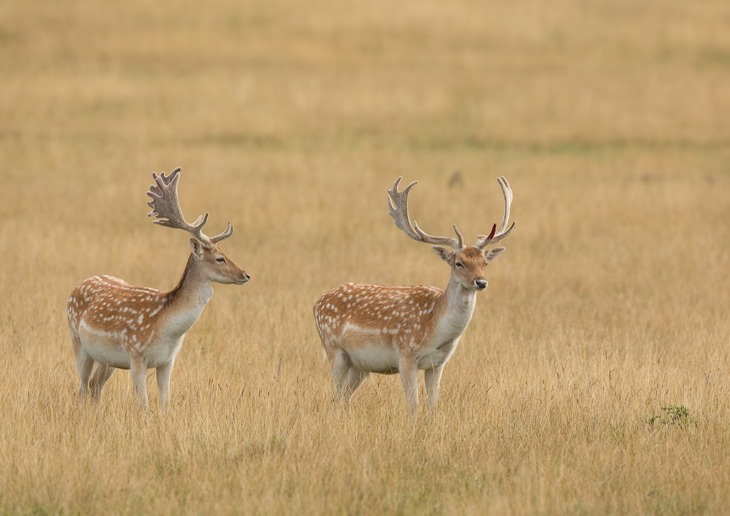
459 264
220 259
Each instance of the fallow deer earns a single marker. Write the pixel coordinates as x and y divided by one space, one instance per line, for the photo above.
387 329
120 326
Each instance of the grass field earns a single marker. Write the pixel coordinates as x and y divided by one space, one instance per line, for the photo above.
594 377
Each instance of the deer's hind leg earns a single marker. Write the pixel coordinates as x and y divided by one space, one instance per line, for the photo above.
355 377
345 376
84 363
99 377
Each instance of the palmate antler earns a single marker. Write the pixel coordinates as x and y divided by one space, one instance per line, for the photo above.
398 209
165 206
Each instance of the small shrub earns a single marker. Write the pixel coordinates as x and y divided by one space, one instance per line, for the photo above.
671 415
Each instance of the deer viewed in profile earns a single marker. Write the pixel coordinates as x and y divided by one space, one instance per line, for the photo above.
119 326
382 329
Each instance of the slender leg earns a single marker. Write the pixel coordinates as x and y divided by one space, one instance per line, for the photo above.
100 376
409 377
433 379
354 379
345 376
138 370
163 382
84 363
340 368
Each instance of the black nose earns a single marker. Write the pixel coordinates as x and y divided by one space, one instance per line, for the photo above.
481 284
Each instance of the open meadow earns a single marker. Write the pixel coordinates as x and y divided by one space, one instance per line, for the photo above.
594 377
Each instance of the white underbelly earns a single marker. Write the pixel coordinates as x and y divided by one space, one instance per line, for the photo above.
385 359
104 347
107 355
380 359
107 348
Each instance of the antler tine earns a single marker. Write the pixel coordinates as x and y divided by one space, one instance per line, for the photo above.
165 206
228 232
498 234
507 192
398 209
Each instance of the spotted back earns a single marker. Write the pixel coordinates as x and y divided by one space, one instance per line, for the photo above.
109 305
375 309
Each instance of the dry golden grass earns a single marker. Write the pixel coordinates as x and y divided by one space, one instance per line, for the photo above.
594 377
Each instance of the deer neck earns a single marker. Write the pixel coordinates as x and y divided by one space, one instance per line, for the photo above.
188 299
455 307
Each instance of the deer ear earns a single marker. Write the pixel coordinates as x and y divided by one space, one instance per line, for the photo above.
492 254
196 247
443 254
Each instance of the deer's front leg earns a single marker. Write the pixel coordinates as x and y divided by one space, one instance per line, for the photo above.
409 377
163 382
138 370
433 379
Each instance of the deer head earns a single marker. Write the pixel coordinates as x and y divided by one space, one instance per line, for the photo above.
165 206
468 263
